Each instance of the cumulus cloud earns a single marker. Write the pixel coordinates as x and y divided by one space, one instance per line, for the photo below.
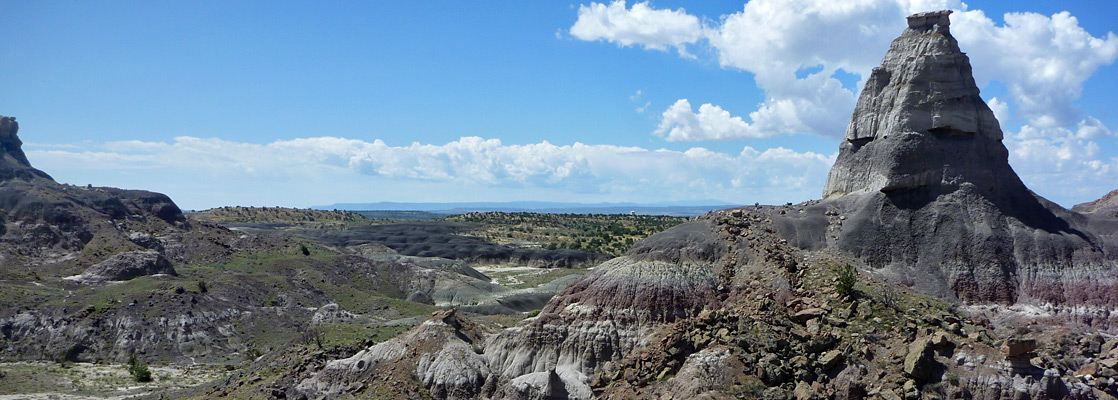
640 24
680 123
1043 61
1061 164
538 170
776 39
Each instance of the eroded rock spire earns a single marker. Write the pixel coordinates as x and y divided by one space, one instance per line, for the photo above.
920 121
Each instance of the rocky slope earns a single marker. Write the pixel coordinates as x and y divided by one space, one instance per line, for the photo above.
99 274
724 308
44 218
1107 204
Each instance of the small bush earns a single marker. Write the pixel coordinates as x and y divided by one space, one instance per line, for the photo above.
138 369
69 355
202 287
953 379
848 276
252 354
303 249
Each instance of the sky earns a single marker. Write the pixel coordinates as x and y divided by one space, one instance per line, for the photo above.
313 103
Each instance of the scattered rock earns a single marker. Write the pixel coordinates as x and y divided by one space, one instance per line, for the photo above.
831 358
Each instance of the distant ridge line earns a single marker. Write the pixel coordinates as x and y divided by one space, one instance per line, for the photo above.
675 209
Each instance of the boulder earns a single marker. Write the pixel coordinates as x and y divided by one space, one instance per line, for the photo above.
1018 347
920 363
803 316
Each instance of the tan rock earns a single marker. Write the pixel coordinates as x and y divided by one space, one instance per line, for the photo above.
1089 369
1109 363
806 315
831 358
920 363
1018 347
941 338
802 391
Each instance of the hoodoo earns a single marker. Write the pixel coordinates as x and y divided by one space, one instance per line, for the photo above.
929 196
920 123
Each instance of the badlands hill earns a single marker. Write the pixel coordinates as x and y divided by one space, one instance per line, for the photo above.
95 274
905 281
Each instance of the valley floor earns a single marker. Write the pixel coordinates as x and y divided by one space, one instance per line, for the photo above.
72 381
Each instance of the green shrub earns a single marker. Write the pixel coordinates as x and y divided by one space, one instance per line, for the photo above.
303 248
202 287
953 379
848 276
252 354
138 369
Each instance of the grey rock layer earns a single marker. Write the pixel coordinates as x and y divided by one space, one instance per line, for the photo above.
920 122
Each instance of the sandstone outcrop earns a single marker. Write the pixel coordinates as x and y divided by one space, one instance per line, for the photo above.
920 123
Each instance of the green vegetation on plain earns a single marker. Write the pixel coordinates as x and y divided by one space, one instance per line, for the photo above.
612 234
306 218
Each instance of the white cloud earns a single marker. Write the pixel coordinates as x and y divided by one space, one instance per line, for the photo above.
1062 164
652 29
680 123
1091 128
774 39
1000 109
211 172
1043 60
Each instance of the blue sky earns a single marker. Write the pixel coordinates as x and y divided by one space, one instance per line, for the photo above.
300 104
